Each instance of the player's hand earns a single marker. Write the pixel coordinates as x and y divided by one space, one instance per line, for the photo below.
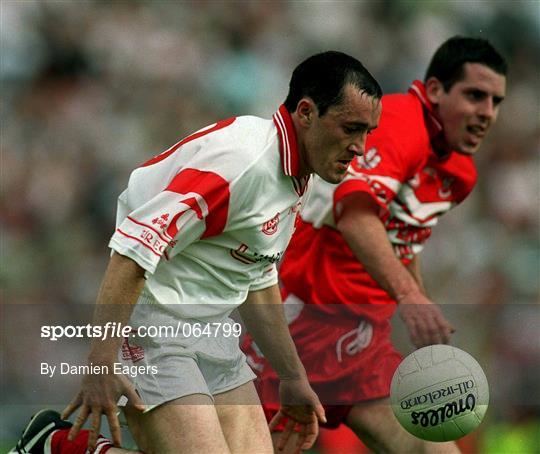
98 395
301 408
424 320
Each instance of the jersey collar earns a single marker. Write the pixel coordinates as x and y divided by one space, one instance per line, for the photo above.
288 146
433 125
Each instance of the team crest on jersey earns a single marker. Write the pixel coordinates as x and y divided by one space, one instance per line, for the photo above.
270 226
370 159
161 221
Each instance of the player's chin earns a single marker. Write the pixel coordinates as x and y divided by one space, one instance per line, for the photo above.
333 176
468 144
468 149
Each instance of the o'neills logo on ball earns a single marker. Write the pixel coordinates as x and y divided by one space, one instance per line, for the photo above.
448 411
434 396
270 227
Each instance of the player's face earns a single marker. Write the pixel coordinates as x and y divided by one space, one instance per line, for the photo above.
469 109
332 140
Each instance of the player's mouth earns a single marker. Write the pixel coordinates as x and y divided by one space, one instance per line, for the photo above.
343 164
475 134
477 131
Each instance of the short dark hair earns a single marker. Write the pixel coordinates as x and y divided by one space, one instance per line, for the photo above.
323 77
448 62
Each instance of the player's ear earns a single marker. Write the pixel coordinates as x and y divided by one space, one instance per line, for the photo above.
305 111
434 90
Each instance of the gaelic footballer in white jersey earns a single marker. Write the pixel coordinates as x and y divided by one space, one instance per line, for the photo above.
214 213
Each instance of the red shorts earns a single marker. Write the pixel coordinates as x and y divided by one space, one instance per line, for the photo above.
348 360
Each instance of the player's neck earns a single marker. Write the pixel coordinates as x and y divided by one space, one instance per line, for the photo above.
303 167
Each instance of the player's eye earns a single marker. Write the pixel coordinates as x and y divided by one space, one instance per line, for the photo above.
476 95
354 129
497 100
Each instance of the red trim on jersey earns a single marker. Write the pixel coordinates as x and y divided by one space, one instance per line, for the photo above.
194 205
434 126
139 240
172 230
212 188
160 157
149 227
288 148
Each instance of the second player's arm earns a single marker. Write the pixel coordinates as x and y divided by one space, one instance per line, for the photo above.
366 235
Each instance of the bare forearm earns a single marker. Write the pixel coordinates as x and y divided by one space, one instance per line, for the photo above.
264 318
414 268
366 236
121 286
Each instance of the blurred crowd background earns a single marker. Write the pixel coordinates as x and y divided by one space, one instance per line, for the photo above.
92 89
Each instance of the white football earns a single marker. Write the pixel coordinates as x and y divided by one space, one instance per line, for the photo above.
439 393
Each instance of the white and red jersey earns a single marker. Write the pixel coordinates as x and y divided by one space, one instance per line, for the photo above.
404 172
209 218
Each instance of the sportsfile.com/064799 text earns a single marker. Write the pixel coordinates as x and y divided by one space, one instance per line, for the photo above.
117 330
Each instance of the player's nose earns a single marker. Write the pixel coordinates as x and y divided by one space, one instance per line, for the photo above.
358 146
486 110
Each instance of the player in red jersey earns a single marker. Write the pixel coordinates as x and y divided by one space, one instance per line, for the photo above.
354 258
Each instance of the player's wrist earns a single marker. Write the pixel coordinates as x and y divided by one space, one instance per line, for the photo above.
102 358
296 375
292 378
414 296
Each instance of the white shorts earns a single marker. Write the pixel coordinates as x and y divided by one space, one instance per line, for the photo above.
193 361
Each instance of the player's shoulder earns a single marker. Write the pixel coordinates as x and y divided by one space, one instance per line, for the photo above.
249 130
402 124
226 148
244 138
401 110
249 145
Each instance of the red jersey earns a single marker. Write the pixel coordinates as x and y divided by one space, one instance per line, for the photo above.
414 183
